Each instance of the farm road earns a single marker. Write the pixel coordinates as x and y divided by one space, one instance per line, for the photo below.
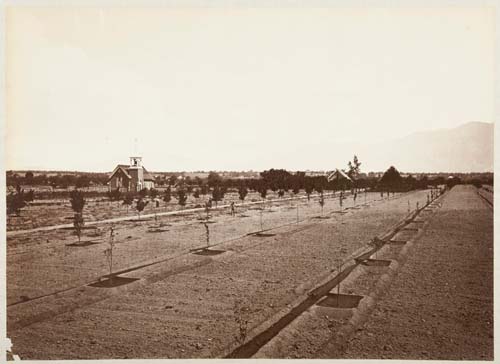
193 306
440 305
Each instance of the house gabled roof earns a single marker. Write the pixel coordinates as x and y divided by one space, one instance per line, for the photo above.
120 167
125 168
338 174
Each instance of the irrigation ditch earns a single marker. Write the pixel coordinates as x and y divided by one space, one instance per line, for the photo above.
488 201
379 259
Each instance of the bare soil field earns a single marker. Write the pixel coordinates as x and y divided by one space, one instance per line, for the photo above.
182 305
51 261
440 305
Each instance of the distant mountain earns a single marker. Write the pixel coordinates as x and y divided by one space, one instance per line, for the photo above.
467 148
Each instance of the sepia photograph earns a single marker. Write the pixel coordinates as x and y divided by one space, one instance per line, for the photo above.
248 180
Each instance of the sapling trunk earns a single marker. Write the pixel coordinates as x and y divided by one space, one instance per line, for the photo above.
207 233
338 285
109 253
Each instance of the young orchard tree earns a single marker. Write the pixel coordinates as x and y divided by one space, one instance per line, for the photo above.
263 192
208 206
109 253
217 194
15 202
281 193
309 189
262 189
196 193
139 206
78 224
167 196
242 192
181 196
128 200
77 200
223 191
207 234
77 203
321 202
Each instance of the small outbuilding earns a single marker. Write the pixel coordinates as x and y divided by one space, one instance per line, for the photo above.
132 177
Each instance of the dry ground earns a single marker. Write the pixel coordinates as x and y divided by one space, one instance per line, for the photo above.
188 305
440 306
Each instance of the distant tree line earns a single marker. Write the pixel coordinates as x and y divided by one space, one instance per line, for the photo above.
59 180
280 181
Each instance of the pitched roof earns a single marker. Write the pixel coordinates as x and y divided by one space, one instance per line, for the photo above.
125 168
338 174
120 167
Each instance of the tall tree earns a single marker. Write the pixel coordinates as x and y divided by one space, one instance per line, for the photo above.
391 180
353 170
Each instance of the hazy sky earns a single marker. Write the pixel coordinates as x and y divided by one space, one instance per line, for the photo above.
236 89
